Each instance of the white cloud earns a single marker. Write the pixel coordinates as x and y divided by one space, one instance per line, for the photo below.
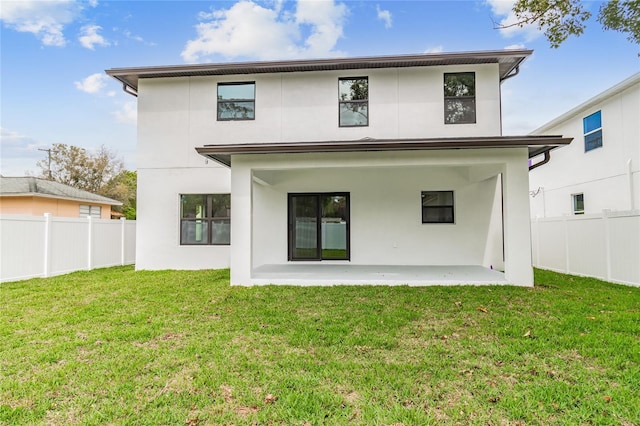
128 114
247 29
44 19
89 37
503 11
517 46
93 84
19 153
436 49
384 16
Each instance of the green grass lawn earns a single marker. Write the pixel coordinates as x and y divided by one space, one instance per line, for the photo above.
115 346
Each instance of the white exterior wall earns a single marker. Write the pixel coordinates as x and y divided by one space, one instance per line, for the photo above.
385 217
609 176
175 115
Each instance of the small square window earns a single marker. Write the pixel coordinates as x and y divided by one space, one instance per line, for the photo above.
592 126
460 98
437 207
578 203
236 101
353 101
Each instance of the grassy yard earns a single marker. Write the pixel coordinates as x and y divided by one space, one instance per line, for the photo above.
115 346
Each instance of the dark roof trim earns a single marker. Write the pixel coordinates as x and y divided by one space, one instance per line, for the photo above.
537 145
508 60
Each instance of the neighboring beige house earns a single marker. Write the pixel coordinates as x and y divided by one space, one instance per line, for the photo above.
34 196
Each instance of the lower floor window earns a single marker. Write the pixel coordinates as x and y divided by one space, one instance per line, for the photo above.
205 219
578 203
319 226
437 207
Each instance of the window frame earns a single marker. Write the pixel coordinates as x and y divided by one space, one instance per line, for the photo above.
448 99
592 134
290 226
450 207
229 101
342 102
574 201
209 219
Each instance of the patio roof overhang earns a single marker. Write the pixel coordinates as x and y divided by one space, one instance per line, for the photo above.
537 145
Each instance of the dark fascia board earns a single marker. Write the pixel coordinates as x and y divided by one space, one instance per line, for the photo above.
508 60
536 145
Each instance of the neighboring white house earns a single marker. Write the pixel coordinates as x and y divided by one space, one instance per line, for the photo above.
382 170
600 170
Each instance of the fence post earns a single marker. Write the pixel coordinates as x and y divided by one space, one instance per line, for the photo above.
47 245
607 241
90 244
123 245
565 223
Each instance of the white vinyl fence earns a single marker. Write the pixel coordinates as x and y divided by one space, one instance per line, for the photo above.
605 246
43 246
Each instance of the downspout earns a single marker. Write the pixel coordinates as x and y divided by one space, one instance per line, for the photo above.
513 74
129 90
632 202
547 157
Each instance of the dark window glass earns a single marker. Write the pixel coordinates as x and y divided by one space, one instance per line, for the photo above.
236 101
353 101
460 98
437 207
578 203
592 126
319 226
205 219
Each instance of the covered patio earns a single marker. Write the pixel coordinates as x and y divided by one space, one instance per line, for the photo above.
411 275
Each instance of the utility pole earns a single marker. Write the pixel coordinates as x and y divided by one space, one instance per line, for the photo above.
49 166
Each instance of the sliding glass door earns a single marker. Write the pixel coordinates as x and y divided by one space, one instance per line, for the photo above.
319 226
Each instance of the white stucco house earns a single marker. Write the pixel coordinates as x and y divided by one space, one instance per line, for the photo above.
600 170
374 170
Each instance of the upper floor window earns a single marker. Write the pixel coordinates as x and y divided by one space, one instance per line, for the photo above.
353 101
460 98
592 131
236 101
93 211
205 219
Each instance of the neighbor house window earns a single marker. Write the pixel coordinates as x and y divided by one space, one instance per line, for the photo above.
236 101
460 98
205 219
592 131
353 101
578 203
93 211
437 207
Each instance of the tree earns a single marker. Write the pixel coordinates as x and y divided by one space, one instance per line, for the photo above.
561 18
123 187
101 173
80 169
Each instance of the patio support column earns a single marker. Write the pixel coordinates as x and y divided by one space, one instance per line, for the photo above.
517 227
241 223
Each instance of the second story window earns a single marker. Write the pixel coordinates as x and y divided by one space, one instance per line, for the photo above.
460 98
353 101
592 131
236 101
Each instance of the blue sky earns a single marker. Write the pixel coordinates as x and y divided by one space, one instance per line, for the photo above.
53 88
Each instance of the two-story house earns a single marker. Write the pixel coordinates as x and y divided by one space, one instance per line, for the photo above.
601 169
389 170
